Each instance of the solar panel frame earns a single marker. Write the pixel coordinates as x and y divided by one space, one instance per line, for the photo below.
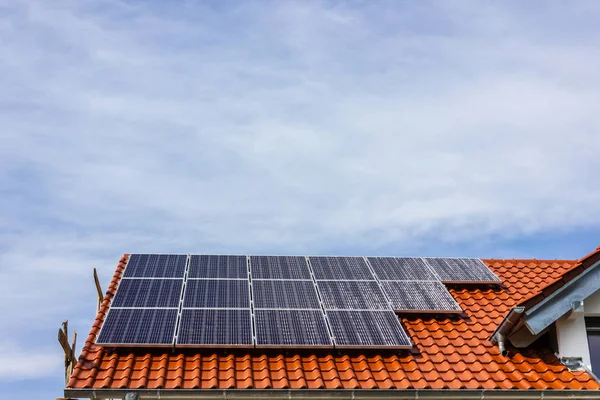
194 322
462 270
420 297
340 268
222 286
352 295
401 269
280 268
120 319
296 328
152 266
365 326
218 266
285 294
155 290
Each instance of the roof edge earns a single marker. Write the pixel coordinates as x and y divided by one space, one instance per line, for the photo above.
559 302
241 394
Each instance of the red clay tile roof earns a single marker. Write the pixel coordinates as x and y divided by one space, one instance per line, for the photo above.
450 352
581 265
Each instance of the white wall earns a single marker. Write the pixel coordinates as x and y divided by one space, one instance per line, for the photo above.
571 334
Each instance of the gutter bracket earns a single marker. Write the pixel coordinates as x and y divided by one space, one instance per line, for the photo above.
576 310
132 396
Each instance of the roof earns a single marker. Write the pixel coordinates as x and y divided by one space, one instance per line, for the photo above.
450 352
578 267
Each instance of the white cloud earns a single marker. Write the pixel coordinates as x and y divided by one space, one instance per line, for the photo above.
17 363
282 127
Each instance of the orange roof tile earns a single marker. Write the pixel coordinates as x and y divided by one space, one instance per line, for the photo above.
451 352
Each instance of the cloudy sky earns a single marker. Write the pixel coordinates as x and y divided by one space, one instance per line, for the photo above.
357 127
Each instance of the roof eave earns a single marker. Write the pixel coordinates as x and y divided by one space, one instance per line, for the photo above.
242 394
543 314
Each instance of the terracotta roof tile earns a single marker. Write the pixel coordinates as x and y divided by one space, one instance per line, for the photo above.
453 353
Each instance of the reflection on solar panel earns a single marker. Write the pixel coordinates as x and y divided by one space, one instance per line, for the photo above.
218 266
284 294
334 268
142 293
217 293
210 327
469 270
367 329
352 295
401 269
427 296
138 326
156 266
277 328
279 267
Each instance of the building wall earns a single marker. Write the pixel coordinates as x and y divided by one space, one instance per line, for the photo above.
571 334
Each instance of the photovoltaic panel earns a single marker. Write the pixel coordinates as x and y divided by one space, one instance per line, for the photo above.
335 268
218 266
215 328
284 294
457 270
155 266
138 326
144 293
217 293
279 267
295 328
401 269
420 296
352 295
367 329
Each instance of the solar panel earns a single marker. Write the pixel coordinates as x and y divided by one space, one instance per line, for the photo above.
401 269
285 294
367 329
279 267
335 268
215 328
352 295
155 266
277 328
217 293
138 326
423 296
144 293
469 270
218 266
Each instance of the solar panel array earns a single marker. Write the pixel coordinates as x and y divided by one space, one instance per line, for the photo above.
279 301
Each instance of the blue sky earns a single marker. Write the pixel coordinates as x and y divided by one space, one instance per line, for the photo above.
464 128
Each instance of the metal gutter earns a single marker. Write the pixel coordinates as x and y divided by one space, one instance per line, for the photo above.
254 394
506 327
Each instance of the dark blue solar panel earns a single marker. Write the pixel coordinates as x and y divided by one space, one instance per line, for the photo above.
352 295
148 293
279 267
276 328
284 294
468 270
155 266
367 329
401 269
138 326
215 327
334 268
217 293
423 296
218 266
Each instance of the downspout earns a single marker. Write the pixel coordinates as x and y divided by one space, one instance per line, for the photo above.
505 328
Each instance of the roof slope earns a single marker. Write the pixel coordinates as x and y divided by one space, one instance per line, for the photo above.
450 352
